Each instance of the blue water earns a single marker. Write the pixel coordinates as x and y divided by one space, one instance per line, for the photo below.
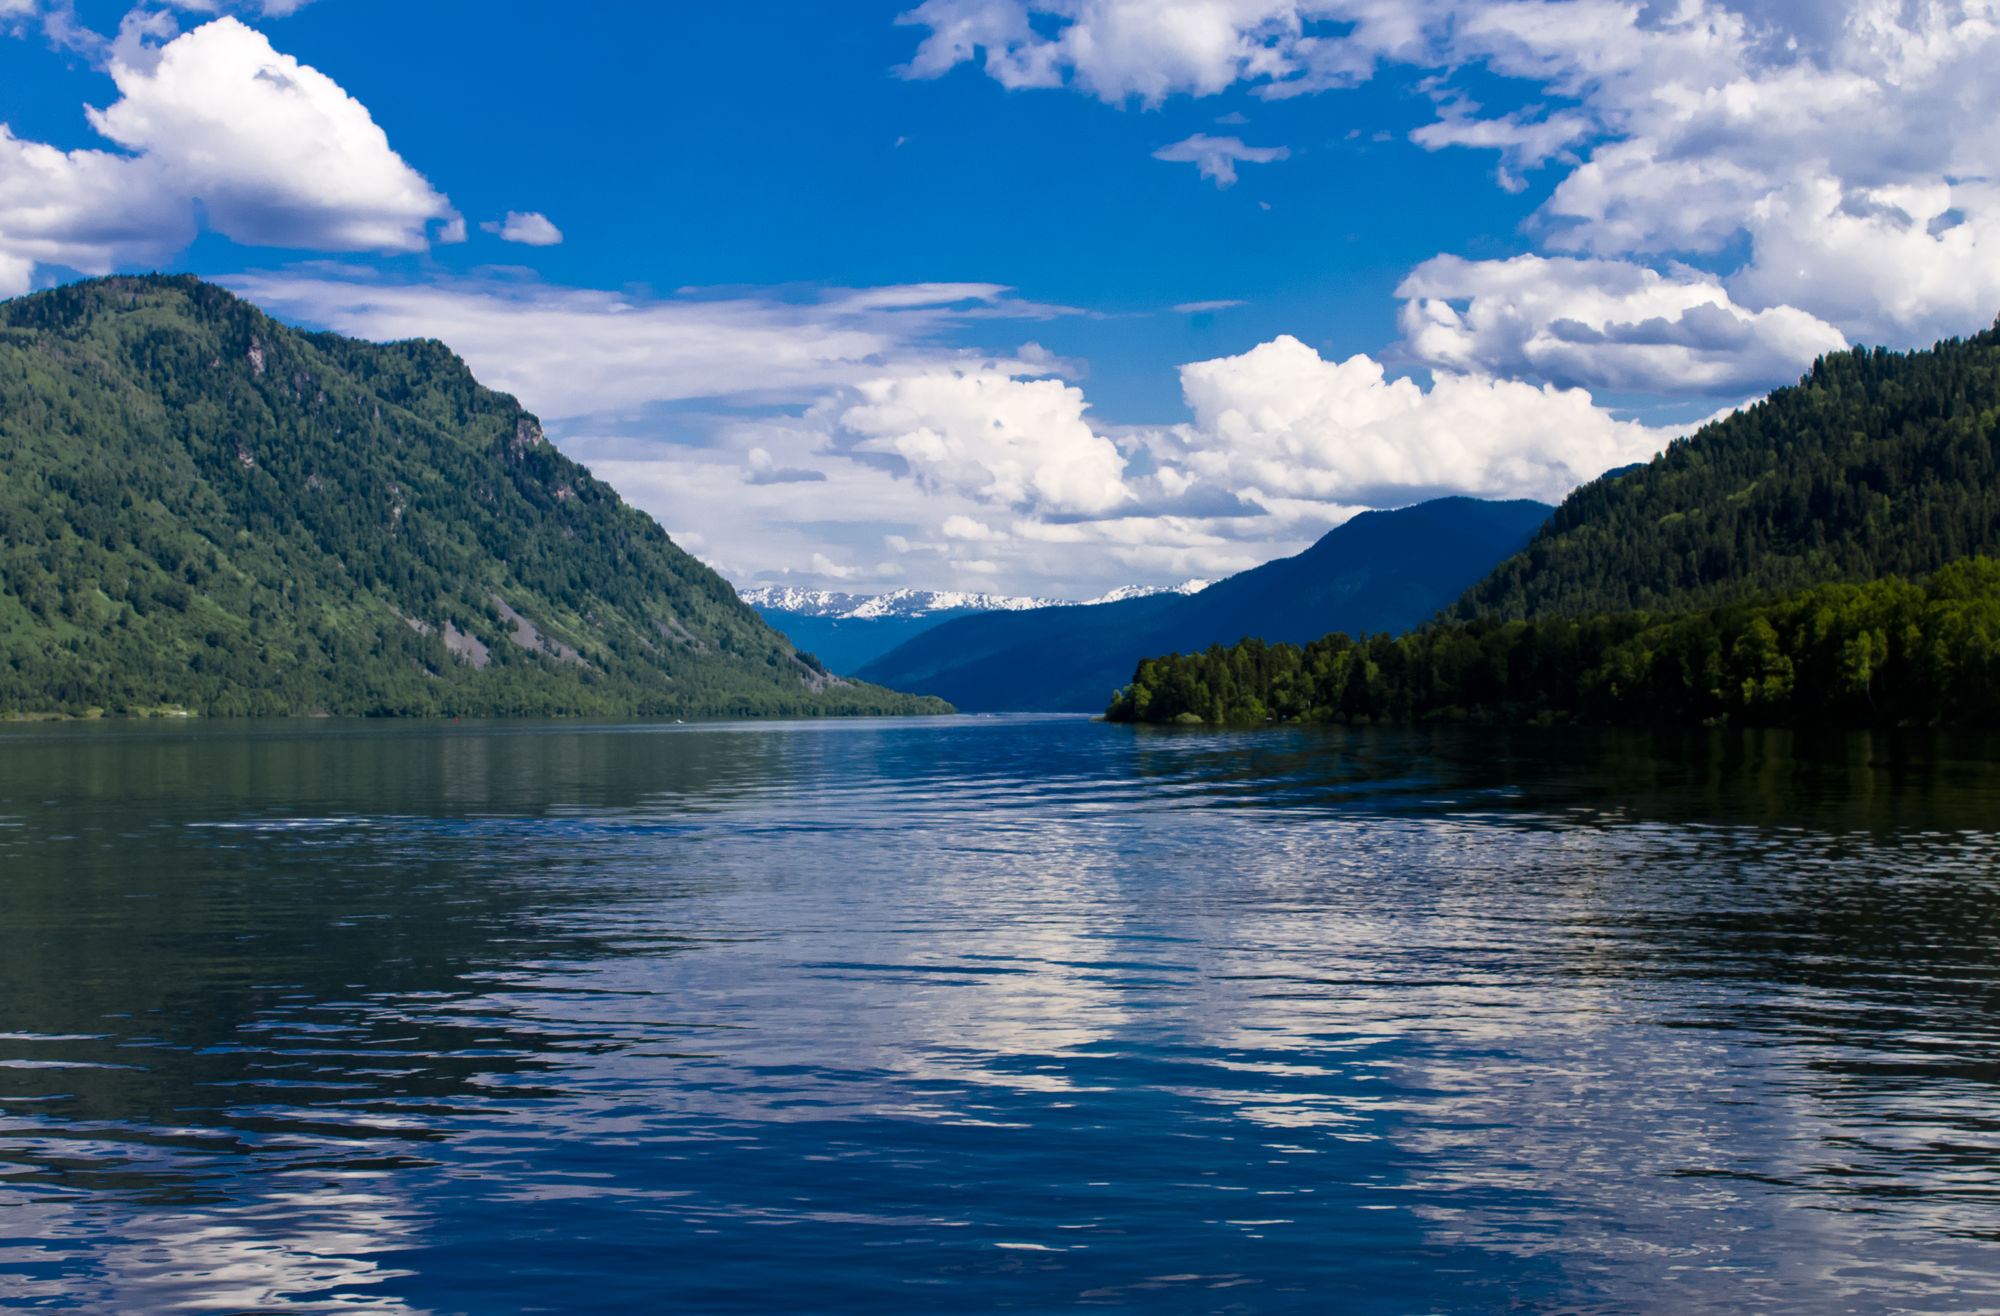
995 1014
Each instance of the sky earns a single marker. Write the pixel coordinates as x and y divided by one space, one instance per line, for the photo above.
1042 296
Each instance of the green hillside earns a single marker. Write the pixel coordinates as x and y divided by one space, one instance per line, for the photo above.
1886 653
1877 463
1822 558
202 508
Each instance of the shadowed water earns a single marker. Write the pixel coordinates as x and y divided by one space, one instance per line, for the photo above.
984 1014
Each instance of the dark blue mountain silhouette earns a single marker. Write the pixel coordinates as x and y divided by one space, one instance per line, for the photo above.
1381 571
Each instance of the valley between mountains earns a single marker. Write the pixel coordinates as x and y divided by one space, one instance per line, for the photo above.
206 511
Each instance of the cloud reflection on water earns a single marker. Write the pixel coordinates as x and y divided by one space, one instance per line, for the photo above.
1392 1006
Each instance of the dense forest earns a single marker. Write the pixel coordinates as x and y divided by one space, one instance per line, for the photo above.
1880 654
1877 463
202 509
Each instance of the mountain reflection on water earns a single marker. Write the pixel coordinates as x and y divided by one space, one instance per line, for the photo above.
971 1014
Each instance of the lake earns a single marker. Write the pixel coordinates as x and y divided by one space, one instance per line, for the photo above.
981 1014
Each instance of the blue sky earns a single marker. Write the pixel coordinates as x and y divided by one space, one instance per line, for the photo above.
1042 298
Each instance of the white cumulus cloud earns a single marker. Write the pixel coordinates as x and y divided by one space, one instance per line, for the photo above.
90 210
1852 146
988 435
1279 420
271 151
1603 324
275 151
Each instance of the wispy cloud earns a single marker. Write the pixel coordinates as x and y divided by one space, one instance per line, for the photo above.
531 229
574 352
1217 157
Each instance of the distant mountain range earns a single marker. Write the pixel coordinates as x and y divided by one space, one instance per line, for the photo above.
848 631
796 602
204 510
1381 571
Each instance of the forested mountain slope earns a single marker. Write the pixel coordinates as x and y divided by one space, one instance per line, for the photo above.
1381 571
205 509
1876 463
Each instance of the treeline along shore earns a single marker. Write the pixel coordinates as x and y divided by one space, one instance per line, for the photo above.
1884 653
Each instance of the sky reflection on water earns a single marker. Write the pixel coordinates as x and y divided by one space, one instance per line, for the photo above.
985 1013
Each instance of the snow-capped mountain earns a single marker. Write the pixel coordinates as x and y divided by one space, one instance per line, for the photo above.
846 631
924 602
1124 592
897 603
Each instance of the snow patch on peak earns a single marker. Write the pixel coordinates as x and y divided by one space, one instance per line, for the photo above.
923 602
897 603
1124 592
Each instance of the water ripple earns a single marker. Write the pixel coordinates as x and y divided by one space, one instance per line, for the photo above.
1022 1013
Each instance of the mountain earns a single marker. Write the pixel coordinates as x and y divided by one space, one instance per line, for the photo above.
204 509
1381 571
897 603
1044 659
1876 463
1822 559
848 631
1124 592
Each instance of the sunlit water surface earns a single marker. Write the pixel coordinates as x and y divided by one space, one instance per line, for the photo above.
983 1014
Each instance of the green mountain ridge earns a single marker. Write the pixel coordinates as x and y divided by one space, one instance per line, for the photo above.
1876 463
204 509
1823 558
